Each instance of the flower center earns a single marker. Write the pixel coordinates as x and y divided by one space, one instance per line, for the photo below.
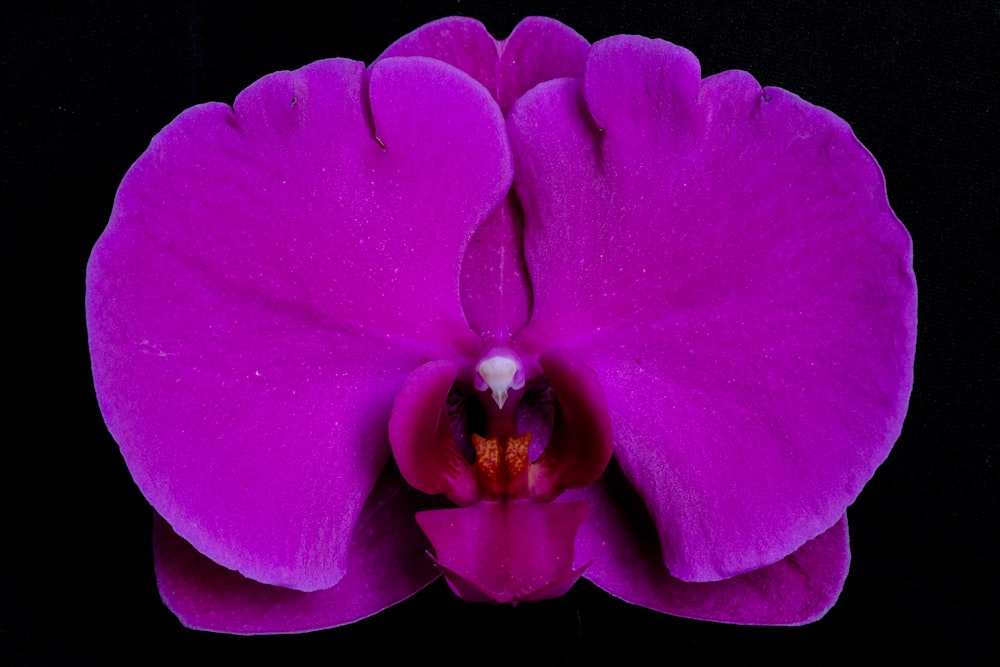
575 454
507 541
500 464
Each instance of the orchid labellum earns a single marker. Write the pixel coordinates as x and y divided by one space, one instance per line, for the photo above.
513 312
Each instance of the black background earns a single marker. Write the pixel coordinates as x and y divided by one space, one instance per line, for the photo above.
86 85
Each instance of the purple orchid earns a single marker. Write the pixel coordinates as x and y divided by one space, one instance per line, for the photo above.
559 310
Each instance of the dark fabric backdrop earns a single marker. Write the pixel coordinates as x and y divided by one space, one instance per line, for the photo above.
86 85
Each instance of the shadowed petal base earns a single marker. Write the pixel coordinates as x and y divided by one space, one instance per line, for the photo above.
386 565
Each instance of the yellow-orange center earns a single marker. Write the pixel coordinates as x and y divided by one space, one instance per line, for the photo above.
500 463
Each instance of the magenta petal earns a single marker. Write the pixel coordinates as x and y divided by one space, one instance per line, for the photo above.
461 42
538 49
269 277
496 295
508 551
798 589
724 257
386 565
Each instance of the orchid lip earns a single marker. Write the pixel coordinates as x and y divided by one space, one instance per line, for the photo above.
506 552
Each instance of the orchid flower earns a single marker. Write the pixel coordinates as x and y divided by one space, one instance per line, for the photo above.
515 312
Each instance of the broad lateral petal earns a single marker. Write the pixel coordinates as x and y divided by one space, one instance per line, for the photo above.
725 258
269 277
385 566
621 540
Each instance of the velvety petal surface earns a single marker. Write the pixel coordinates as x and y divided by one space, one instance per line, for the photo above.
725 258
386 564
496 294
270 275
620 539
538 49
